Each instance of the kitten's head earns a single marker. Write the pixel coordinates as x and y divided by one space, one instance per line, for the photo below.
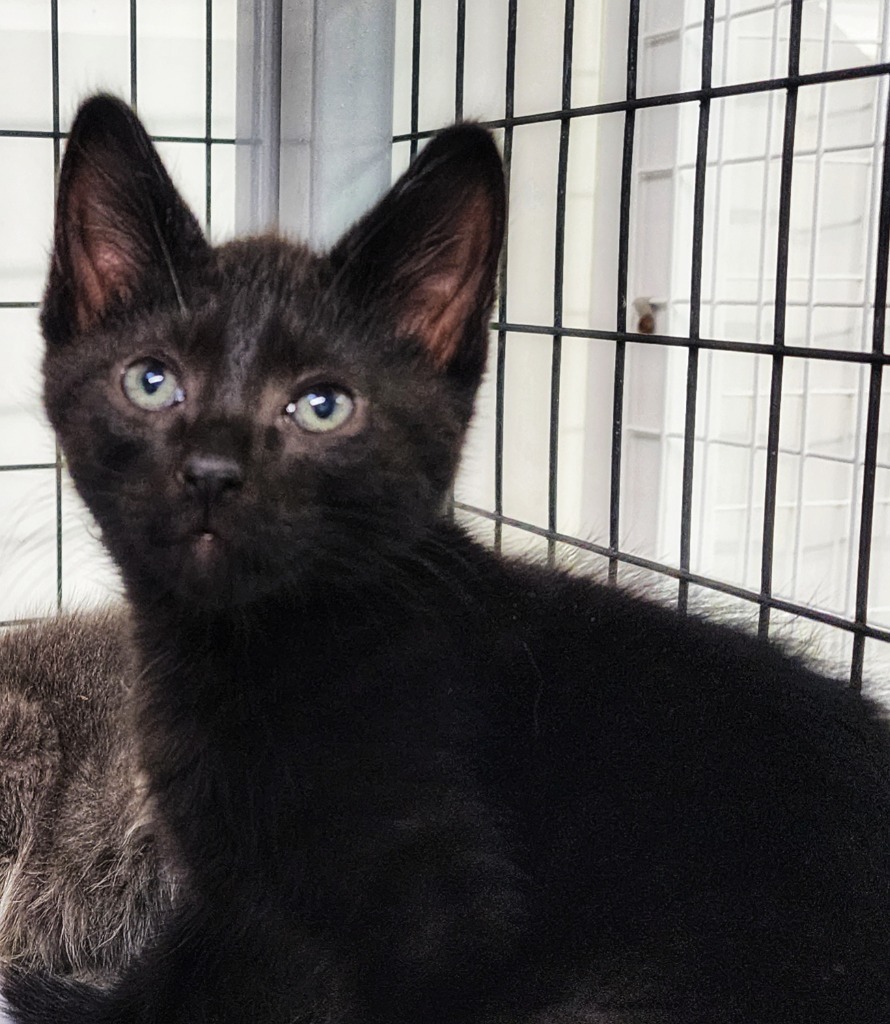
238 418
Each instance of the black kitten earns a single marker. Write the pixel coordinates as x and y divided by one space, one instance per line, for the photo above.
409 781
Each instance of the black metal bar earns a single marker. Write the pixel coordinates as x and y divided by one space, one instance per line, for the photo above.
55 134
16 133
873 414
613 107
721 586
19 305
199 140
415 78
670 99
698 222
501 363
460 52
27 466
633 30
559 274
57 162
208 113
133 48
25 133
500 371
717 344
10 623
775 403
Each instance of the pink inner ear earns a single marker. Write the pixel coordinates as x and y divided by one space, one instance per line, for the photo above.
101 268
451 285
438 317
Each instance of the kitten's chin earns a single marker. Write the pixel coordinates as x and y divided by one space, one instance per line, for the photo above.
206 549
209 572
205 572
197 570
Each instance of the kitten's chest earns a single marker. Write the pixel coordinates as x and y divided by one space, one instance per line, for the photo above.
317 759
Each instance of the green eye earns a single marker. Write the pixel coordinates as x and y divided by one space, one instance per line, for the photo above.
152 386
321 409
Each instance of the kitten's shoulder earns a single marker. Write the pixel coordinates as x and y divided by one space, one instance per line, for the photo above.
613 632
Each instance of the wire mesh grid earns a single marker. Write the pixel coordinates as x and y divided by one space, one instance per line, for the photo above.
636 101
873 358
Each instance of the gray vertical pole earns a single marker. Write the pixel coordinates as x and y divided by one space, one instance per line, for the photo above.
314 113
258 115
336 113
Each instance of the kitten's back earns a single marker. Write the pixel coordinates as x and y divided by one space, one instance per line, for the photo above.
80 879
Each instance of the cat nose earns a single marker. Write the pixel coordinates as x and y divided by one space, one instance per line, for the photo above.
212 475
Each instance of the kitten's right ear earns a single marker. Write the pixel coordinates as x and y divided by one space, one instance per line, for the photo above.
122 231
428 251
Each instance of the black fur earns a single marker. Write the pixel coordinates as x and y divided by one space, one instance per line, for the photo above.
410 781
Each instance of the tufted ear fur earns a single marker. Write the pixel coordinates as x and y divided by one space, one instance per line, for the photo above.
122 231
429 249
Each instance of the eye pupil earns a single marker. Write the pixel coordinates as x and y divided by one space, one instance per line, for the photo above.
323 403
152 380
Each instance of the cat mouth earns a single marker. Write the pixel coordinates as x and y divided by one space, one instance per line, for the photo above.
205 545
204 565
204 537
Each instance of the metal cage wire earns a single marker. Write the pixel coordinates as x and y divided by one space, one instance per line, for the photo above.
693 342
876 358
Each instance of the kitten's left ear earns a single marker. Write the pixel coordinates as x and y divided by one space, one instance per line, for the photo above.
122 231
429 250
